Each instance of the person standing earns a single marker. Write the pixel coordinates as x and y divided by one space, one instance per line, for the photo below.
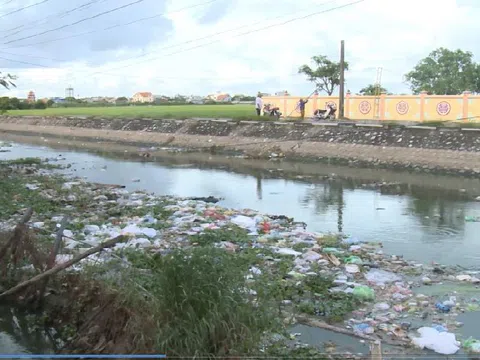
301 107
259 104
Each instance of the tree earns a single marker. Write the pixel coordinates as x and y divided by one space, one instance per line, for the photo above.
445 72
39 104
7 80
373 90
50 103
4 104
326 75
14 103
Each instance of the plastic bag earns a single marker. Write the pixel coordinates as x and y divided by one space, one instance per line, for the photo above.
353 260
364 293
472 345
440 342
381 277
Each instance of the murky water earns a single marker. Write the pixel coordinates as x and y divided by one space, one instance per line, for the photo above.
424 223
18 336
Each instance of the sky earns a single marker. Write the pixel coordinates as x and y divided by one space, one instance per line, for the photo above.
199 47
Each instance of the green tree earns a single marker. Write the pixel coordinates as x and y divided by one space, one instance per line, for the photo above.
39 104
372 90
4 104
14 103
445 72
7 80
325 75
50 103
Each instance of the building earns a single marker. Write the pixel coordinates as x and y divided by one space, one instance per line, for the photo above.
282 93
220 97
143 97
161 99
198 100
31 97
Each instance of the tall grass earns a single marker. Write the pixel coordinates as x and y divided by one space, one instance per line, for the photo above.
198 302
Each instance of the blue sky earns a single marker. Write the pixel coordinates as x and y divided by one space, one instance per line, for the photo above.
177 51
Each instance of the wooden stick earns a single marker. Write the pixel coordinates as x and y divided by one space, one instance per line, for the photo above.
53 255
322 325
26 217
58 241
60 267
376 350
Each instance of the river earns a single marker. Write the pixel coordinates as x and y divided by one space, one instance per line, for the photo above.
420 219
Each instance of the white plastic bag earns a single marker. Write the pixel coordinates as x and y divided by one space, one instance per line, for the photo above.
441 342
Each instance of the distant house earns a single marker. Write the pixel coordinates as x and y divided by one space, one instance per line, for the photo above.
58 100
282 93
220 97
96 99
198 100
223 98
161 99
143 97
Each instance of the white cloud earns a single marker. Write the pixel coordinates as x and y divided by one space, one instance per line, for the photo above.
393 34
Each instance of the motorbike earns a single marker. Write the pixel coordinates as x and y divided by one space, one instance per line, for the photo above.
273 111
327 114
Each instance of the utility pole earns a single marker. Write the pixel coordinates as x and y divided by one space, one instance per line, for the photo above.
341 96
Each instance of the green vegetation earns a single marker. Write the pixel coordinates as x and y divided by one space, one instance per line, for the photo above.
445 72
325 75
167 111
197 300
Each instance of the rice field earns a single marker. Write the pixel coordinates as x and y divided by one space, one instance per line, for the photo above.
238 111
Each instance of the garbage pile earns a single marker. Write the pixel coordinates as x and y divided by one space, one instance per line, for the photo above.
386 288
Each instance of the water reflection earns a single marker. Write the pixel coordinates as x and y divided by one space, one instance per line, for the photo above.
259 187
326 197
407 218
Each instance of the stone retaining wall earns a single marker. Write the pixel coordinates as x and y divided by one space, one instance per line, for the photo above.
447 150
451 138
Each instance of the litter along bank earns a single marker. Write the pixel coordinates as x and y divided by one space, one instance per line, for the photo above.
335 282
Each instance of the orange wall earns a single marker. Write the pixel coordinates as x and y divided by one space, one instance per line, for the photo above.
423 107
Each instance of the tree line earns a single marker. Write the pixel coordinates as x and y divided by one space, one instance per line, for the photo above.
442 72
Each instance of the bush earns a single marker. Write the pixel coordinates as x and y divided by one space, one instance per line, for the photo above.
199 302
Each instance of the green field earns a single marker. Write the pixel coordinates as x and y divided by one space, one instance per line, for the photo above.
165 111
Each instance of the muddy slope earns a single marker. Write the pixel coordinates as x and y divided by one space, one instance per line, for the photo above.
445 150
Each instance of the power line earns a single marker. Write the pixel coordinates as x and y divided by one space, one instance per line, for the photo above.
185 42
215 41
24 62
34 56
6 2
243 34
76 22
156 77
57 15
23 8
112 27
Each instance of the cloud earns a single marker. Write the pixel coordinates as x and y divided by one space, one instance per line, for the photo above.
236 46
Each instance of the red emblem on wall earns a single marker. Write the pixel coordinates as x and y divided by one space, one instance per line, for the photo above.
443 108
364 107
402 107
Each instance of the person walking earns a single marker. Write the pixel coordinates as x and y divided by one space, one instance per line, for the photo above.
301 107
259 104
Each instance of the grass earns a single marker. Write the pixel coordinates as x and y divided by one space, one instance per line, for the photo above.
198 303
160 112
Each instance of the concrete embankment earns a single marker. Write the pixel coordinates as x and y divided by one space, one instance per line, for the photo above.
447 150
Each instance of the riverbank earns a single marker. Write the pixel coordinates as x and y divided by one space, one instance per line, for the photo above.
451 151
278 267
